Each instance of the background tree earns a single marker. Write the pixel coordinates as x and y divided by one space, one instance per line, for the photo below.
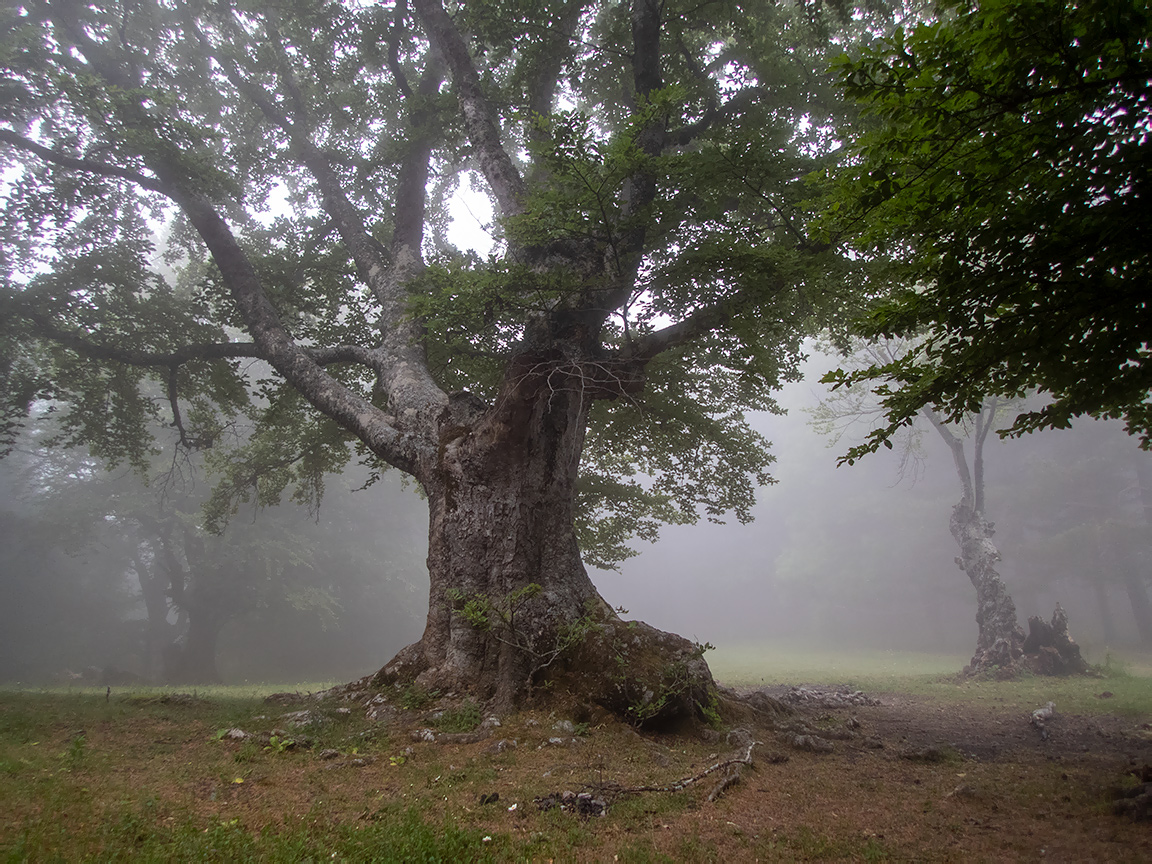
1000 642
652 278
1002 159
1082 518
63 593
157 592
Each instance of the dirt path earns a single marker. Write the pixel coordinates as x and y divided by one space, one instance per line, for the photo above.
959 781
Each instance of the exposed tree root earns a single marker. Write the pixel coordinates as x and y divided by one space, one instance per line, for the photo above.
1047 650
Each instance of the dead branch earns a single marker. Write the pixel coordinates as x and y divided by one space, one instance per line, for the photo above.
726 782
685 782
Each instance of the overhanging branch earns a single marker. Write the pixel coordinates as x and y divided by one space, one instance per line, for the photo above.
73 163
184 354
479 117
131 357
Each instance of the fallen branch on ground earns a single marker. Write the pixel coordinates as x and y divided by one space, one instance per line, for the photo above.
683 783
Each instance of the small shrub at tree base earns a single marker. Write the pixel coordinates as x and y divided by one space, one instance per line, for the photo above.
463 718
414 697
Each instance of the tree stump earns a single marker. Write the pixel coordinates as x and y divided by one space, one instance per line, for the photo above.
1049 650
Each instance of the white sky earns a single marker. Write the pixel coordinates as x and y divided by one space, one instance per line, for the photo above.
470 211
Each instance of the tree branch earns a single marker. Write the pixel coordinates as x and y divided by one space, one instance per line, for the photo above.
131 357
542 89
639 188
479 117
697 324
703 320
956 445
73 163
394 36
325 393
685 135
400 363
744 758
983 424
184 354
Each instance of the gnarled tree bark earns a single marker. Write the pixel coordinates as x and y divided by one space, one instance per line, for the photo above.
1001 645
1000 640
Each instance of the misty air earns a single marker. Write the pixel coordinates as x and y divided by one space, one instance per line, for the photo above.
577 430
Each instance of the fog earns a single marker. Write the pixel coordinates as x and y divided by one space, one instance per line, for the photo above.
838 558
861 557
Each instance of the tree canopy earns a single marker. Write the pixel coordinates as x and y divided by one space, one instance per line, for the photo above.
647 167
1001 168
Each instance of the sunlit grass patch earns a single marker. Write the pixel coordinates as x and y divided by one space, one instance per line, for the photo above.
763 664
1127 677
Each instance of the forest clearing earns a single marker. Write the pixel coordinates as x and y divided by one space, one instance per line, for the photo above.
457 333
937 771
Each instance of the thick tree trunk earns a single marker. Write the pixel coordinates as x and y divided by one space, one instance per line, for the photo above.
193 661
510 603
1000 640
1141 608
153 589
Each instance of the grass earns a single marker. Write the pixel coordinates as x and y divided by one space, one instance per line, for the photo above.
85 776
1126 675
760 664
131 835
247 690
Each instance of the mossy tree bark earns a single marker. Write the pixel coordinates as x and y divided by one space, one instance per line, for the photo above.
510 601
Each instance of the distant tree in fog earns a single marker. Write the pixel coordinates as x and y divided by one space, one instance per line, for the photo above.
192 583
1083 503
1001 642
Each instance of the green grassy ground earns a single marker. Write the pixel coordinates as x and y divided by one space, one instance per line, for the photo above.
138 775
1127 674
762 664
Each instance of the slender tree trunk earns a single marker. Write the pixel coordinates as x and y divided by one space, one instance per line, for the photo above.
1000 639
1134 584
1141 608
1107 621
510 602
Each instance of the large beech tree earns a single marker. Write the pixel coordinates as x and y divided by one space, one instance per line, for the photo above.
651 278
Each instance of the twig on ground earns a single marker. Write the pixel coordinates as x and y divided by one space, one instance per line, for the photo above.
677 785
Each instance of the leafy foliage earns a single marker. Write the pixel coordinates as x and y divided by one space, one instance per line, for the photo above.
1001 168
187 178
